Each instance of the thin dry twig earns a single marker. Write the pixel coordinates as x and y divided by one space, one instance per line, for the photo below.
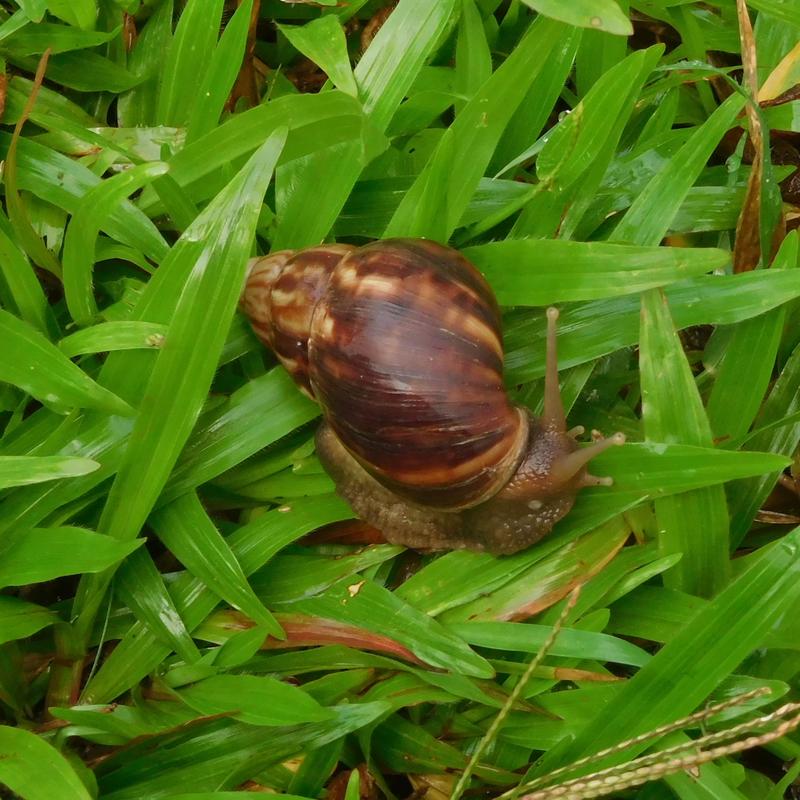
747 250
511 701
656 766
657 733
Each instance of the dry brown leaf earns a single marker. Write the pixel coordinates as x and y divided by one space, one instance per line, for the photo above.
783 77
747 251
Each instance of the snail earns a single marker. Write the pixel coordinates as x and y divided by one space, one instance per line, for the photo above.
400 343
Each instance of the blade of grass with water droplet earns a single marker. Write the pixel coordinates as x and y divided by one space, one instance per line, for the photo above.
603 15
108 336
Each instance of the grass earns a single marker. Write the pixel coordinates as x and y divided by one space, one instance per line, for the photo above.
187 610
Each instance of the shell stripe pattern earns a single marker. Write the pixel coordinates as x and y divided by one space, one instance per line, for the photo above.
287 287
406 359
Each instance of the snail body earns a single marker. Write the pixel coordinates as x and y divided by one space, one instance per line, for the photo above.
400 342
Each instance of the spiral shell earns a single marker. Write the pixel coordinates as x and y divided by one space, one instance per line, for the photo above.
281 294
407 359
400 342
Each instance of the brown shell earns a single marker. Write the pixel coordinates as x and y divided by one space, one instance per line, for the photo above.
281 293
406 359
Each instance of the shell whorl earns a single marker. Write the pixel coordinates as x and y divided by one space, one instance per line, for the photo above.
406 359
280 295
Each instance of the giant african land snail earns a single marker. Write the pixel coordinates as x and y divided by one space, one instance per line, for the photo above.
400 343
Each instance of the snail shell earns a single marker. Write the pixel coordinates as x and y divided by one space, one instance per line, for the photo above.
400 342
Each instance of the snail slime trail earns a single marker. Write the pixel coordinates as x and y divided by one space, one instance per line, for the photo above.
400 343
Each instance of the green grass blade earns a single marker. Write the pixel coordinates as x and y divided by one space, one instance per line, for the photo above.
23 284
240 429
35 770
63 182
604 15
43 554
750 350
558 270
784 400
396 54
139 584
270 702
19 619
79 241
383 75
471 141
684 672
597 328
35 39
571 643
82 13
253 545
187 62
375 608
192 537
229 752
323 41
139 106
200 167
108 336
39 368
214 250
473 55
694 525
221 76
648 219
661 469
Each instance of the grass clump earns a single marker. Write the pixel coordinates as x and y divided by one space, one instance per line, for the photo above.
187 609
